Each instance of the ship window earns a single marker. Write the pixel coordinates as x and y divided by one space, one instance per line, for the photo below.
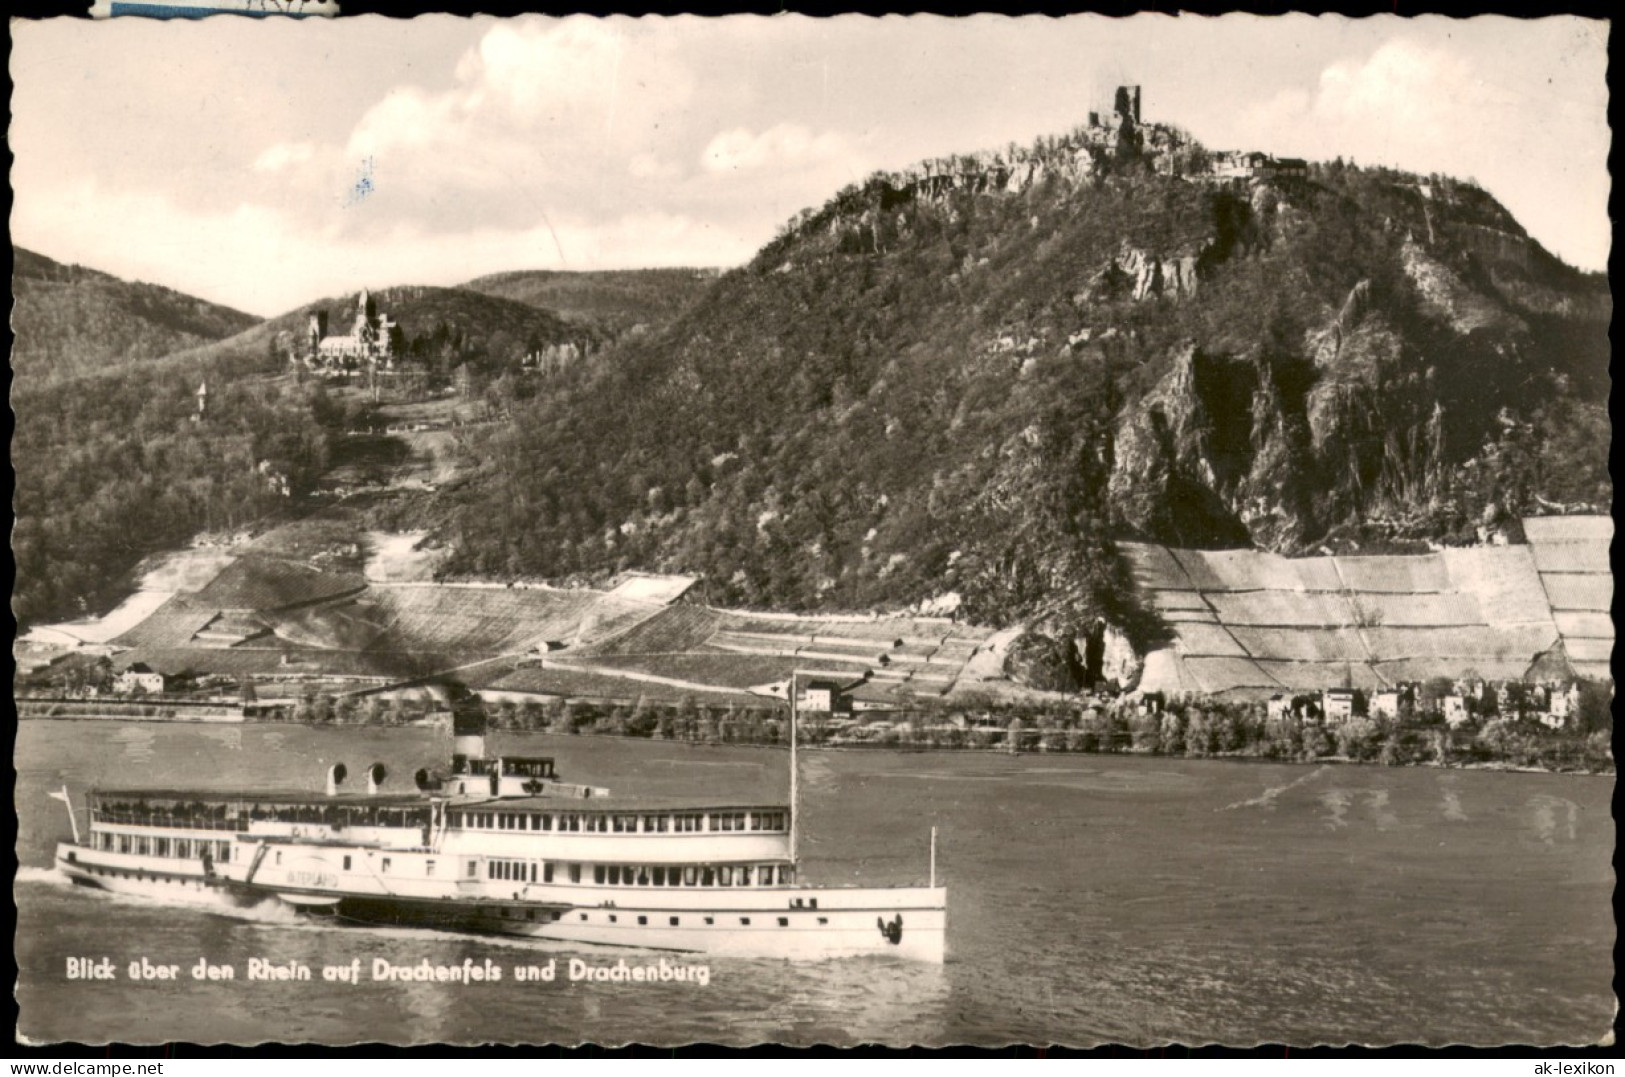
583 916
536 822
784 874
598 874
689 875
346 863
654 824
745 920
823 920
278 855
530 914
643 920
385 865
547 872
575 873
615 875
428 867
674 921
725 876
708 877
660 876
710 920
547 822
533 871
473 869
784 921
673 875
614 919
744 874
502 820
620 824
224 852
643 876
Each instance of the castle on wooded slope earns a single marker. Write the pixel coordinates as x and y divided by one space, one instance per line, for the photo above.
373 340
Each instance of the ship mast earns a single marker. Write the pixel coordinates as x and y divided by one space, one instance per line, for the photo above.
795 785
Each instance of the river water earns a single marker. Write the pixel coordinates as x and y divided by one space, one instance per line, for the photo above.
1092 899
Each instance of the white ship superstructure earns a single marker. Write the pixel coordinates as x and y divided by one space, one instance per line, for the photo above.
500 845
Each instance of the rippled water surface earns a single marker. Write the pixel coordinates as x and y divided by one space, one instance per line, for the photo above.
1091 899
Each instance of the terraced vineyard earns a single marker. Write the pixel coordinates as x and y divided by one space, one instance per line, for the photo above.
1253 623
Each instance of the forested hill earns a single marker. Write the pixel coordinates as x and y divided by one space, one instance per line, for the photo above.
444 328
616 301
111 465
70 320
975 375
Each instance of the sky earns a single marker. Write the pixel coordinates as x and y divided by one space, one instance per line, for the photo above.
266 163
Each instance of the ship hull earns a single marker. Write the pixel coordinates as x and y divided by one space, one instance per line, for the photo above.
146 877
796 923
902 922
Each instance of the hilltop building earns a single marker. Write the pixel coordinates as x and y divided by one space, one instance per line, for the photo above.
373 340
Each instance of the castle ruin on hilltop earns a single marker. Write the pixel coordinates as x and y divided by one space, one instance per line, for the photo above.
1110 139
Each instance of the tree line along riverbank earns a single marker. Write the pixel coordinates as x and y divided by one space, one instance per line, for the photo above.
1188 727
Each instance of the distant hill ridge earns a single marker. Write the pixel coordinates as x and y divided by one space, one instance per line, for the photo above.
613 300
70 320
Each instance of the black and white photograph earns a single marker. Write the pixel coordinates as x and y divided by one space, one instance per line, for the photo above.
905 531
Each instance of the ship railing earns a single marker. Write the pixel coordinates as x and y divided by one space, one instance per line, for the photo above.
159 820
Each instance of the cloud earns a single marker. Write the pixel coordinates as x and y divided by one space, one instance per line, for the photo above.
283 155
540 114
1494 118
1402 101
650 166
783 145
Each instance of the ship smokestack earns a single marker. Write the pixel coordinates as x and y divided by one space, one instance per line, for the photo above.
468 733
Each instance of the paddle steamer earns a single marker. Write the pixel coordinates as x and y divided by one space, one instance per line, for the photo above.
501 845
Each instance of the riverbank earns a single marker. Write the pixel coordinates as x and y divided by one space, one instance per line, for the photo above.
1463 750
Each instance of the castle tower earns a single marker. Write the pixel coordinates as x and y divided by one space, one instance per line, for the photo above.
317 329
1126 103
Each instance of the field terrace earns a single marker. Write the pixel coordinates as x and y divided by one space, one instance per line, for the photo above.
1251 624
694 648
268 619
